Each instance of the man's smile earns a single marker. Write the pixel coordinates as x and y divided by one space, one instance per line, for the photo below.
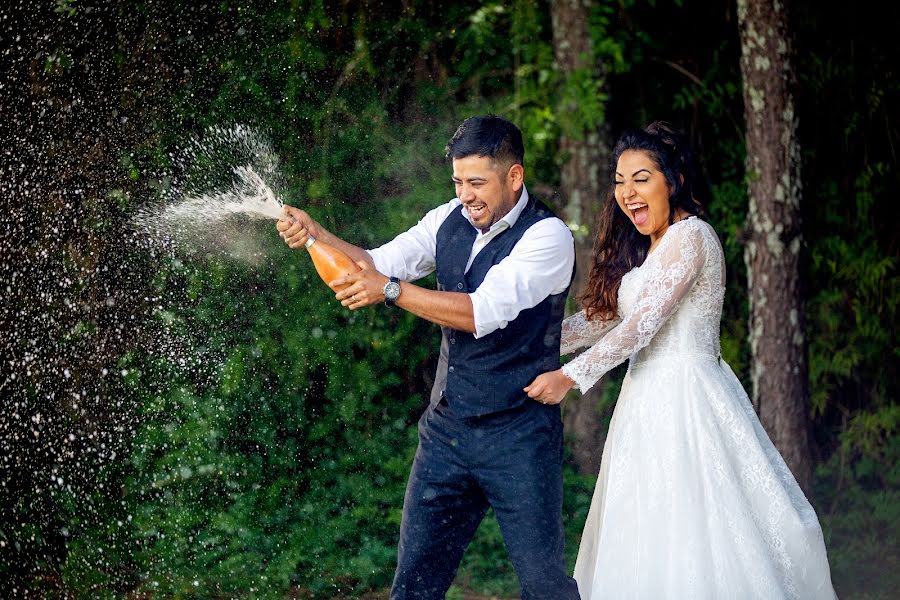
477 210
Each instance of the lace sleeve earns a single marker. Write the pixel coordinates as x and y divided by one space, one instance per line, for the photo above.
578 332
672 270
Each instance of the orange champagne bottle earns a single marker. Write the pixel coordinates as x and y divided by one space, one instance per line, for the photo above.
330 262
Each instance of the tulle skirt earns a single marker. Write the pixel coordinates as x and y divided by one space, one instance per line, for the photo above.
693 500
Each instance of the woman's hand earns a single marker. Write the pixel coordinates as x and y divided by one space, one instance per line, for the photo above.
550 387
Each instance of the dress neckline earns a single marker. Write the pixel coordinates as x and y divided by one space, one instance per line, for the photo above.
687 218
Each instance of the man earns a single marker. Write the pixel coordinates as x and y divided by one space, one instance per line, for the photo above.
504 263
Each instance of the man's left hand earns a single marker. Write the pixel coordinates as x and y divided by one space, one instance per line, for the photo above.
550 387
365 287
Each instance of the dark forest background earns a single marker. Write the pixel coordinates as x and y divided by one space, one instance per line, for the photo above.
189 425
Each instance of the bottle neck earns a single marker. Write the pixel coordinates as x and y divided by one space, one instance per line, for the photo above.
310 242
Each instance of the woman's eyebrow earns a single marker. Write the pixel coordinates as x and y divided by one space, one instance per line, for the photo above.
649 172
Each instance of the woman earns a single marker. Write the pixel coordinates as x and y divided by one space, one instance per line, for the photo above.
693 500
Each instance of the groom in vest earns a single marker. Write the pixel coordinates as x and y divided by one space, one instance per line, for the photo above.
504 263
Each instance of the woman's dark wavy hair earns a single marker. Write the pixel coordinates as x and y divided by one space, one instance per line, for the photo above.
619 246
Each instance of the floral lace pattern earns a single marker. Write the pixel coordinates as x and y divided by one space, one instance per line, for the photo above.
578 332
687 265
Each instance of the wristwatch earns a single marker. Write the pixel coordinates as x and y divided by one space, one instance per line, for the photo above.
391 291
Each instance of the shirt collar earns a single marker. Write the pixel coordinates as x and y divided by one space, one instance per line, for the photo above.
510 218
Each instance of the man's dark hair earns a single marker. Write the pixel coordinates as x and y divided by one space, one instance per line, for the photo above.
490 136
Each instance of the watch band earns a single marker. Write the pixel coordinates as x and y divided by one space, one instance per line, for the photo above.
391 301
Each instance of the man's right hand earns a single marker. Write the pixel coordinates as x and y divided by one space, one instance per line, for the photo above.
296 226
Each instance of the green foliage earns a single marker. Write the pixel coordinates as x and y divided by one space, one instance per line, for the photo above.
860 510
861 294
286 467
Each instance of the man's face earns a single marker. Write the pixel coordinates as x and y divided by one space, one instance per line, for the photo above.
488 190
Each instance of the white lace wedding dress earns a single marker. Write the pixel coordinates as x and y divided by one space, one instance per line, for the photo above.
693 500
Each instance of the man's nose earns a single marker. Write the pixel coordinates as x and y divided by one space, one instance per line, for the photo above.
466 194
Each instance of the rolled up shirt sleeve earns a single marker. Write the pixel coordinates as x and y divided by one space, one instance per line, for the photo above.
539 265
411 255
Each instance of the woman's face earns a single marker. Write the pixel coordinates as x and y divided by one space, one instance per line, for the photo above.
642 193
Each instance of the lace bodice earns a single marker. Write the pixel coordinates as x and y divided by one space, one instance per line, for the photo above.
670 305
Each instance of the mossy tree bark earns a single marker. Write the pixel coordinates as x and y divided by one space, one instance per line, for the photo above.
772 254
584 180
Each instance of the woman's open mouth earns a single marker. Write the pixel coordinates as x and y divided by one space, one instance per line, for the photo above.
639 212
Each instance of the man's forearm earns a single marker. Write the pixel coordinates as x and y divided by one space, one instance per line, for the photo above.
297 226
449 309
354 252
366 287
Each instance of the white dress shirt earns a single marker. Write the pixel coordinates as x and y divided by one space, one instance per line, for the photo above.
539 265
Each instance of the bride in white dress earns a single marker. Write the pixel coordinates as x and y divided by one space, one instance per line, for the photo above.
692 500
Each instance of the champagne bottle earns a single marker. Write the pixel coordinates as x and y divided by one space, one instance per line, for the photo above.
330 262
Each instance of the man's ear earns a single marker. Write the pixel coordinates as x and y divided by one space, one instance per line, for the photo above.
516 176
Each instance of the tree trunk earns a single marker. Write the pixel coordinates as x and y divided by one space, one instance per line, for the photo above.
772 253
584 180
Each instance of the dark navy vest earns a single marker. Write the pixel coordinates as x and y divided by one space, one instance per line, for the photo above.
486 375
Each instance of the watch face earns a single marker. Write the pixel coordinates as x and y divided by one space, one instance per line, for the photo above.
392 290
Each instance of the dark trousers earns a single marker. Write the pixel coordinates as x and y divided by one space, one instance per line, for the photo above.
511 462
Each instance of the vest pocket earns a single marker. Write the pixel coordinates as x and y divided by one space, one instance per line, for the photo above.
476 392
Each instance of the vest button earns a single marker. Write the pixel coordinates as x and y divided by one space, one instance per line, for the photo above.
459 285
451 369
453 340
